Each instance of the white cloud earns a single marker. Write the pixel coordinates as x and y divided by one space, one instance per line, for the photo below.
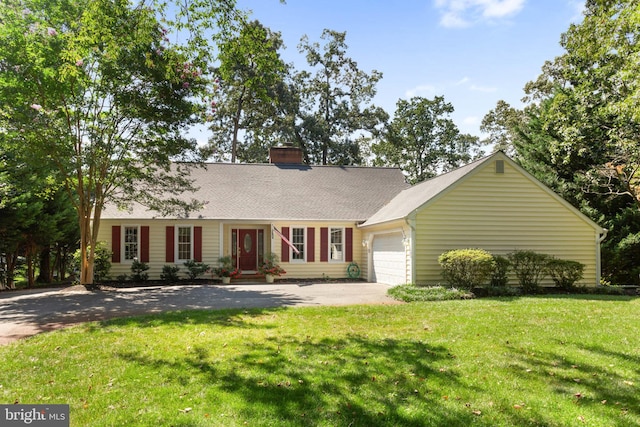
463 13
453 20
500 9
420 90
462 81
482 88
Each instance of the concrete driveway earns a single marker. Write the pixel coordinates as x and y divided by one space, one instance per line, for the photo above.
26 313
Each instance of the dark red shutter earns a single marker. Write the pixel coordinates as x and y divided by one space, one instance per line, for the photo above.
144 243
348 244
197 244
324 244
115 243
284 251
170 246
311 244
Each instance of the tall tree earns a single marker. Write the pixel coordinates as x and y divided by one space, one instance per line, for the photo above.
250 71
34 211
58 233
578 133
335 107
586 105
502 125
423 141
593 91
19 211
97 88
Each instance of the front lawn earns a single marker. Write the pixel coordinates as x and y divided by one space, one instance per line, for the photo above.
548 361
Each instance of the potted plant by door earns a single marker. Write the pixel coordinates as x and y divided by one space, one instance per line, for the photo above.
270 268
225 271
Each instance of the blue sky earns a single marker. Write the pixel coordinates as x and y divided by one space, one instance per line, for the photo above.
474 52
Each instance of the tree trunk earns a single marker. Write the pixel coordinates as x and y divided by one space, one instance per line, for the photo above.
301 144
89 212
3 272
55 269
46 274
60 262
31 250
236 126
86 252
12 259
63 265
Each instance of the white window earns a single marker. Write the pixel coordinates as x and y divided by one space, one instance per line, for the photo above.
131 242
298 240
184 243
336 244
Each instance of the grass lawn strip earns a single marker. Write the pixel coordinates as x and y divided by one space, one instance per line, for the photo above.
552 361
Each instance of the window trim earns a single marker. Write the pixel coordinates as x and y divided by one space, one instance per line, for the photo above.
304 245
123 242
343 243
176 249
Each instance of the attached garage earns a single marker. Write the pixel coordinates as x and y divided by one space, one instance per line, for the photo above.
491 204
389 260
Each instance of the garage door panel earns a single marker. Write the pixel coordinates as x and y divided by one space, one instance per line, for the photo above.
389 259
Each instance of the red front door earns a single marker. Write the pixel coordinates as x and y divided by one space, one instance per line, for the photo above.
248 249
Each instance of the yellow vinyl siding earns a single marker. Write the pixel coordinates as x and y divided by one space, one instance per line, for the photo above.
361 253
500 213
157 244
211 246
318 269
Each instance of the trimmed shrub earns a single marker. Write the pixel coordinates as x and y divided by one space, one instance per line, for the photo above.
565 273
466 268
170 273
139 271
530 268
499 276
196 269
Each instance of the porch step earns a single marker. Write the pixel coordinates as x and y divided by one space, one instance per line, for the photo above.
249 278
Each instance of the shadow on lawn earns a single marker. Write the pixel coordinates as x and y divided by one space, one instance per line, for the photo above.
32 314
353 380
231 317
599 388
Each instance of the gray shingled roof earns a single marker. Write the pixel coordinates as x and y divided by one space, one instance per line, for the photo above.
292 192
414 197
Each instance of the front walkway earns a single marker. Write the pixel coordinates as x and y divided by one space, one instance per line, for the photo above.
26 313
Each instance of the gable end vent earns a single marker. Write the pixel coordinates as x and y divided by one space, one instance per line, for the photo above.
499 166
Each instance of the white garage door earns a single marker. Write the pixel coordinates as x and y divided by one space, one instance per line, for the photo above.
389 260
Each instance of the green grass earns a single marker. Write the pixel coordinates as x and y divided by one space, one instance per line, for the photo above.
547 361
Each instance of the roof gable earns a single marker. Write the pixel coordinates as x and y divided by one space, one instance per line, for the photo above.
415 197
421 195
285 191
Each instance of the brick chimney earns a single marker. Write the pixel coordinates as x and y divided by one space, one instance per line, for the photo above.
287 154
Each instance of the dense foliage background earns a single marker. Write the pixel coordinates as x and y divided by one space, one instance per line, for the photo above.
102 94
